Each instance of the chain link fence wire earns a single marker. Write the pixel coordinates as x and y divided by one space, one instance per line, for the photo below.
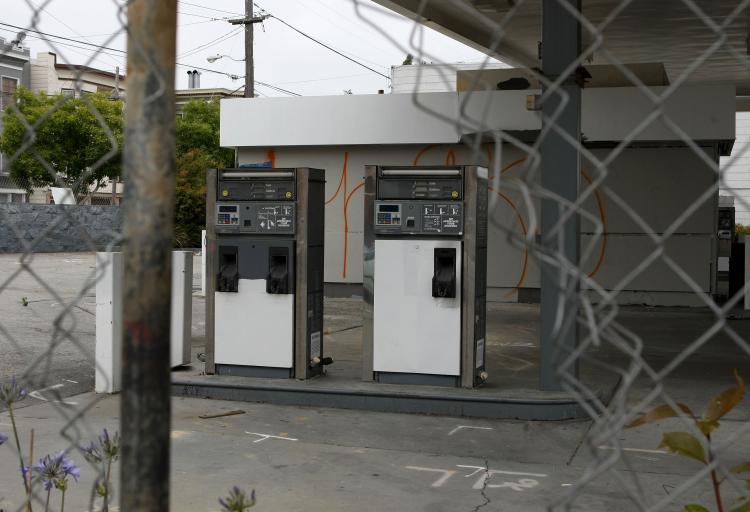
609 340
47 338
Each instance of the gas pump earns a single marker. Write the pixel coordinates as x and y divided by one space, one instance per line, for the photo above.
264 297
425 275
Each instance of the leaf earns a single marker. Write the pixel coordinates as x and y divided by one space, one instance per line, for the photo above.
659 413
745 507
684 444
741 468
693 507
706 426
725 401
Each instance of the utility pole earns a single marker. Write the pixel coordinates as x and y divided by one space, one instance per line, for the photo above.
249 20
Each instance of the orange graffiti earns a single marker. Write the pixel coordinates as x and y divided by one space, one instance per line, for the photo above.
603 218
346 227
342 179
450 158
271 157
525 232
423 151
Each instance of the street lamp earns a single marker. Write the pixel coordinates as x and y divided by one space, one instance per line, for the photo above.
216 57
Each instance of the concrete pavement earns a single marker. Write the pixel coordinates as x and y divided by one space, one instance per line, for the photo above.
320 460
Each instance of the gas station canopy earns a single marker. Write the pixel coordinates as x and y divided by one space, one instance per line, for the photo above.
708 34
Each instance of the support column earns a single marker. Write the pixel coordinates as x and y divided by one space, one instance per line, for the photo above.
561 45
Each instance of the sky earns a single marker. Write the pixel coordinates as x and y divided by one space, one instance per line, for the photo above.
283 57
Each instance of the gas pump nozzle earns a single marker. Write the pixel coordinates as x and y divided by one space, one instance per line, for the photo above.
444 274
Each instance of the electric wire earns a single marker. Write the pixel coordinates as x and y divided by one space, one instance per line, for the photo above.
101 48
321 43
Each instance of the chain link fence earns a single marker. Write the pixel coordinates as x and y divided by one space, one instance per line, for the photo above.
600 247
592 290
47 330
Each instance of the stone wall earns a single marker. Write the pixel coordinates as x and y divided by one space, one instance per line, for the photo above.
70 228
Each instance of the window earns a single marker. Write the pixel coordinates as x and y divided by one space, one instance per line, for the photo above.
7 87
68 93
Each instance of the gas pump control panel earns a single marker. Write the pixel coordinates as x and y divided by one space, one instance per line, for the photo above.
255 203
256 217
426 203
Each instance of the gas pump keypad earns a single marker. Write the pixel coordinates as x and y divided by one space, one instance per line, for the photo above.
256 217
419 217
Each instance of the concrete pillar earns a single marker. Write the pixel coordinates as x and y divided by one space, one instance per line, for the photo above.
561 45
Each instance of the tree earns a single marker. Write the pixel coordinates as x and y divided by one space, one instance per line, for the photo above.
198 128
408 60
71 139
197 150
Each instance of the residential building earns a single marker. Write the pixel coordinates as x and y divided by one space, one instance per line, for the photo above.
14 72
52 77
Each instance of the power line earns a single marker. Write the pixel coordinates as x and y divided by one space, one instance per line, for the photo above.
210 8
212 42
100 48
321 43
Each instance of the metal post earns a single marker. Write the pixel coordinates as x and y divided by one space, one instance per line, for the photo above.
561 45
249 63
149 167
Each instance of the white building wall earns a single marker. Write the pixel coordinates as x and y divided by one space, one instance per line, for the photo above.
643 178
736 170
431 77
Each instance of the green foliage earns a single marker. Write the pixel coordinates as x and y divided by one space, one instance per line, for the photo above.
685 444
741 229
190 199
197 150
69 137
695 508
198 128
688 445
408 60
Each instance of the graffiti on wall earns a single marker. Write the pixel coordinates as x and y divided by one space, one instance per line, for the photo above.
344 194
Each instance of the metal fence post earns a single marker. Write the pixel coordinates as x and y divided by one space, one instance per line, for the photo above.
149 170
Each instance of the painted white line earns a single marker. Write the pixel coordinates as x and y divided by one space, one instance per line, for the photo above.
500 472
521 485
73 381
566 485
467 426
447 473
638 450
263 437
38 395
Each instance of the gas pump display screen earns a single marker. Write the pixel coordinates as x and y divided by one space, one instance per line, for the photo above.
228 215
389 215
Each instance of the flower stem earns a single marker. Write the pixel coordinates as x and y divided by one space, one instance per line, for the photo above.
714 478
20 453
62 502
46 505
105 507
31 457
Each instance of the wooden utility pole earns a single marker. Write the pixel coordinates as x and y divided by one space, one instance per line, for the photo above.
249 20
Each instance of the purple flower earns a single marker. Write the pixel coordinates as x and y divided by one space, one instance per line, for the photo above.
11 392
3 438
106 448
54 470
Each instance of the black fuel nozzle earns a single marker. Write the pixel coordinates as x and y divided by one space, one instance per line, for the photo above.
444 274
227 280
277 280
322 361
